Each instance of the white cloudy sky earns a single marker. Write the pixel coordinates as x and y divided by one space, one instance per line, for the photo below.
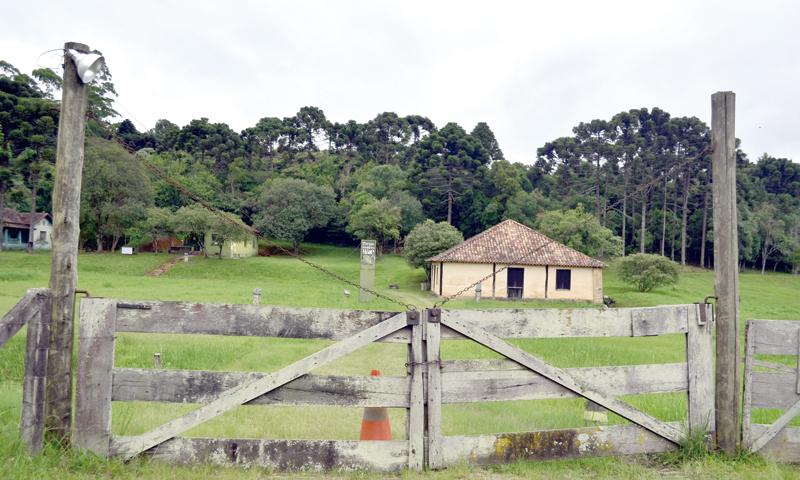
531 70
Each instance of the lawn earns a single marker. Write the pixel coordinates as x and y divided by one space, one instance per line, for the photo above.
285 281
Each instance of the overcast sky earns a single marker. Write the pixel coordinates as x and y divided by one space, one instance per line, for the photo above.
531 70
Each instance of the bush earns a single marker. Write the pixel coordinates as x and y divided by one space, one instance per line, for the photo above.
647 271
428 239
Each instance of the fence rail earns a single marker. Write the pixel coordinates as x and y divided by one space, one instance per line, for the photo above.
429 383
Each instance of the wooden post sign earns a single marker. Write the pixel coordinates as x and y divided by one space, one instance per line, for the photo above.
368 253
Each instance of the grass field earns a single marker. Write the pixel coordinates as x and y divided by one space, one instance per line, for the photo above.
286 281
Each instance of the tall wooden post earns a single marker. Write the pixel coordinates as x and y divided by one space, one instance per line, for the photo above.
726 268
64 267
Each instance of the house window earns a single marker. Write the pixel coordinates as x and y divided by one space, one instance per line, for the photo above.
42 237
563 279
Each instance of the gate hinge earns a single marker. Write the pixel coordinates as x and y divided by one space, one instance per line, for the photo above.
412 318
434 315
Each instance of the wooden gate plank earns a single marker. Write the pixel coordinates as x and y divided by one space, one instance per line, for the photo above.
564 379
776 427
93 386
434 389
250 390
700 360
24 310
416 400
32 419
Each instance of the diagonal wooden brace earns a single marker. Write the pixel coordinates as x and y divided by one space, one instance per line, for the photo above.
775 428
249 390
561 377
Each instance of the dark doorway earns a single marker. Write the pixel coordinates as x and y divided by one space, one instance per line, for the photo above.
516 281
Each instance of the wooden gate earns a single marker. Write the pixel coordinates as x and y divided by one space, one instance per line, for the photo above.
525 377
429 382
99 383
772 385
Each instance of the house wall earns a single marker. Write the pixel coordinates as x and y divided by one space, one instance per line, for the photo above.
14 237
46 227
586 283
233 249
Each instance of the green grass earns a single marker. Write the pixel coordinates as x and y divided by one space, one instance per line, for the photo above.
286 281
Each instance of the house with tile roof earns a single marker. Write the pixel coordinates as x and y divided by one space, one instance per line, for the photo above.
15 229
517 262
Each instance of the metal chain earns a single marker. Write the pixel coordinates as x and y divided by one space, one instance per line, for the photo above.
251 230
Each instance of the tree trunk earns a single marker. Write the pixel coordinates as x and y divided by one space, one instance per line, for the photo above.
624 211
703 235
644 222
449 205
685 218
764 251
114 243
33 212
597 190
155 245
2 218
664 220
99 238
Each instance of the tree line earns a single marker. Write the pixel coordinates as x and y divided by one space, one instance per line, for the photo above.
642 176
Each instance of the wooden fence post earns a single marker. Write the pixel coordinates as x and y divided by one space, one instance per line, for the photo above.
700 365
434 393
64 263
32 420
93 388
416 412
726 268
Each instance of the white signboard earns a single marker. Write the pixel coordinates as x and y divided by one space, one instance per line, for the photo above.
127 250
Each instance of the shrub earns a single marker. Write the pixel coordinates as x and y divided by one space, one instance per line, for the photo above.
428 239
647 271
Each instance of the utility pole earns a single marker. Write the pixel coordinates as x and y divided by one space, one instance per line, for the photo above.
726 268
64 267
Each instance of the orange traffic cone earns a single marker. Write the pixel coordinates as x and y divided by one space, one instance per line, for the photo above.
375 423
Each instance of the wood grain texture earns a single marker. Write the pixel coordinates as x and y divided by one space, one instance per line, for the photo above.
250 320
564 379
775 337
700 360
66 200
747 403
434 390
726 268
482 381
784 447
767 435
552 444
302 455
247 391
32 418
416 400
202 386
574 322
93 387
23 311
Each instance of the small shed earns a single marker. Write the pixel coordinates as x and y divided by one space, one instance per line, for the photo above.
248 247
16 229
537 267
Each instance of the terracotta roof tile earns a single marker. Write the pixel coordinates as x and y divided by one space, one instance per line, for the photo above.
12 218
510 242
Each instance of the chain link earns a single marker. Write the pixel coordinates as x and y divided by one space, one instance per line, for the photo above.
251 230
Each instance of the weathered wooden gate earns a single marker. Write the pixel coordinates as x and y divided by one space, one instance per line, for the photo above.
429 382
772 385
526 377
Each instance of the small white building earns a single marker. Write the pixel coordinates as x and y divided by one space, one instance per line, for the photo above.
16 230
517 262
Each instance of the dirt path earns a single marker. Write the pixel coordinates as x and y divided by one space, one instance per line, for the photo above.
164 267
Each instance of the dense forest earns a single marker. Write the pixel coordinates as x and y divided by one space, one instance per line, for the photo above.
642 174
